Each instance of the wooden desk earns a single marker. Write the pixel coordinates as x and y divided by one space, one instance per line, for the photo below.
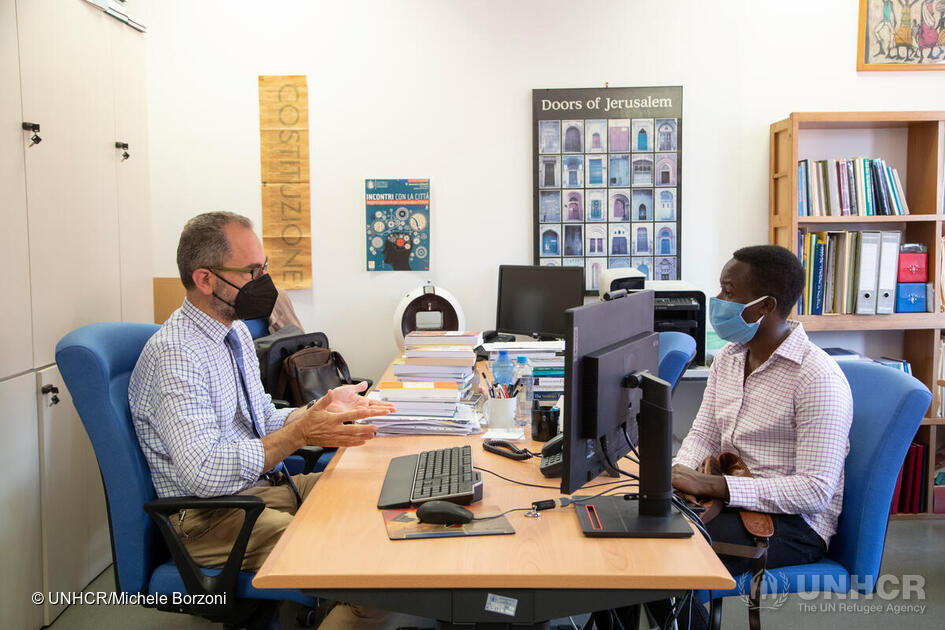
337 546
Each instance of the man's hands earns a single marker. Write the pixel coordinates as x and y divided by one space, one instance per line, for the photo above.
688 481
329 422
348 398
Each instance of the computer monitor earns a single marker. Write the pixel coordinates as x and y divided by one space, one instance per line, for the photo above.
532 299
613 397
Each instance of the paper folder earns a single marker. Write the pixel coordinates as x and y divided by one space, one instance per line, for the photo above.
867 273
888 271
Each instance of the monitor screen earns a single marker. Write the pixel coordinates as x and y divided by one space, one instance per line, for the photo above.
533 299
606 342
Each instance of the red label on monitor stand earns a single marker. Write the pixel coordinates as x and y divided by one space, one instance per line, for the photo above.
592 516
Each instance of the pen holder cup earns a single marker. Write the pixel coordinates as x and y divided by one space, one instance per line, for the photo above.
500 413
544 423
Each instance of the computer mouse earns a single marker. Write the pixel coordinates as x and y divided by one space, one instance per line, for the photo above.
443 513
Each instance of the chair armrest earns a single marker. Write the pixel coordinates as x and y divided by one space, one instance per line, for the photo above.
310 454
279 403
358 379
194 579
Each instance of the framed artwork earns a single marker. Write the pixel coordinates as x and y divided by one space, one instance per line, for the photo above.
607 179
901 35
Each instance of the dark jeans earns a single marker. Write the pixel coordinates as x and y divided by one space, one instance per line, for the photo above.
793 542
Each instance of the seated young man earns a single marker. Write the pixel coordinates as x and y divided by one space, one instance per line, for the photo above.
779 402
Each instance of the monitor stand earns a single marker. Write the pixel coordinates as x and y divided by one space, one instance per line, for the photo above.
543 337
652 515
619 517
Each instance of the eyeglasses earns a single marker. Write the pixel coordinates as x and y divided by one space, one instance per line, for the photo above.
255 271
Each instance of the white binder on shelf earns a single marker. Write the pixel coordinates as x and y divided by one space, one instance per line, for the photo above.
867 273
888 271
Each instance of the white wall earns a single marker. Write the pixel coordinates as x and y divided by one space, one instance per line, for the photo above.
440 89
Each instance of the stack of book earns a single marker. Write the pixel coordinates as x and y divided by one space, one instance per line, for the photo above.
849 187
420 398
441 355
843 354
911 494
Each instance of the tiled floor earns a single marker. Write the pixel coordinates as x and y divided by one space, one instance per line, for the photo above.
913 548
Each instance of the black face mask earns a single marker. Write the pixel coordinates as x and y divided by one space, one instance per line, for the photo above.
254 300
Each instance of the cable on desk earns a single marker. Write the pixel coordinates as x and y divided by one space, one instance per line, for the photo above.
535 485
566 501
521 483
692 517
486 518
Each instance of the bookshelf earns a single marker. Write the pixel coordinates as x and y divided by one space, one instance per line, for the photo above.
912 142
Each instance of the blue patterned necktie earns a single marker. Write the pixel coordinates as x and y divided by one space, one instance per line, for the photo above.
232 340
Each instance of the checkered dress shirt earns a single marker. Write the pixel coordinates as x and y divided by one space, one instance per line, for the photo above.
789 421
189 410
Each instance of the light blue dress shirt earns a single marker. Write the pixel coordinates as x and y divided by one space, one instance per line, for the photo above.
188 410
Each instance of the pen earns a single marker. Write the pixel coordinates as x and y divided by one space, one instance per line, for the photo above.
491 390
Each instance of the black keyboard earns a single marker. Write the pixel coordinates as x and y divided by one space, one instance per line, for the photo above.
445 474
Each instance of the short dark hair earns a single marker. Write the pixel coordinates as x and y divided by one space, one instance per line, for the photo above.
775 271
203 243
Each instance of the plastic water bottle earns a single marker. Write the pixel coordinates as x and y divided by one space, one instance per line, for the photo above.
503 370
526 385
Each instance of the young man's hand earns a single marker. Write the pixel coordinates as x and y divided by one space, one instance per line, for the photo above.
688 481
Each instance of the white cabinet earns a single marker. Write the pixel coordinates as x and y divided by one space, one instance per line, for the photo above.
67 87
20 543
76 243
17 353
134 216
76 544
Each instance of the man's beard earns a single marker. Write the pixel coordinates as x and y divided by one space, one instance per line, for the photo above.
223 309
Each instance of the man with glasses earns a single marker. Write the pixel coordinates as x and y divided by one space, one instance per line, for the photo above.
205 424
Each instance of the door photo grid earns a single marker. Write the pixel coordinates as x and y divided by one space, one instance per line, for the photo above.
607 189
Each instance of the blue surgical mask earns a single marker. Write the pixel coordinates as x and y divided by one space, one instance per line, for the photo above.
726 318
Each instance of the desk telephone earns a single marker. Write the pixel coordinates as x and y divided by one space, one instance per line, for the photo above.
552 459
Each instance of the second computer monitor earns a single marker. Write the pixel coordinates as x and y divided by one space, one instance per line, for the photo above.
533 299
607 342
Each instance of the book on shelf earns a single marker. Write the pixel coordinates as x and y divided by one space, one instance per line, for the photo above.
842 354
840 187
897 364
849 272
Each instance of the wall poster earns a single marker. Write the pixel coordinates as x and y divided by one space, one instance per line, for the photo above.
397 224
286 197
607 172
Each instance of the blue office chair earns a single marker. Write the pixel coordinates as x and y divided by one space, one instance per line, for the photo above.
676 352
257 327
888 406
96 363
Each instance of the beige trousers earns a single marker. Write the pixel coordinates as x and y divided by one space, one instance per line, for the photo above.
208 536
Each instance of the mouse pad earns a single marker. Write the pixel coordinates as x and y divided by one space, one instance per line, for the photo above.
403 524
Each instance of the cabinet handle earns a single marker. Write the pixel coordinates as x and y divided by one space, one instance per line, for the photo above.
124 150
34 128
51 389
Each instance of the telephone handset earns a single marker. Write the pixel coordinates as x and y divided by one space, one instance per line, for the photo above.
552 458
